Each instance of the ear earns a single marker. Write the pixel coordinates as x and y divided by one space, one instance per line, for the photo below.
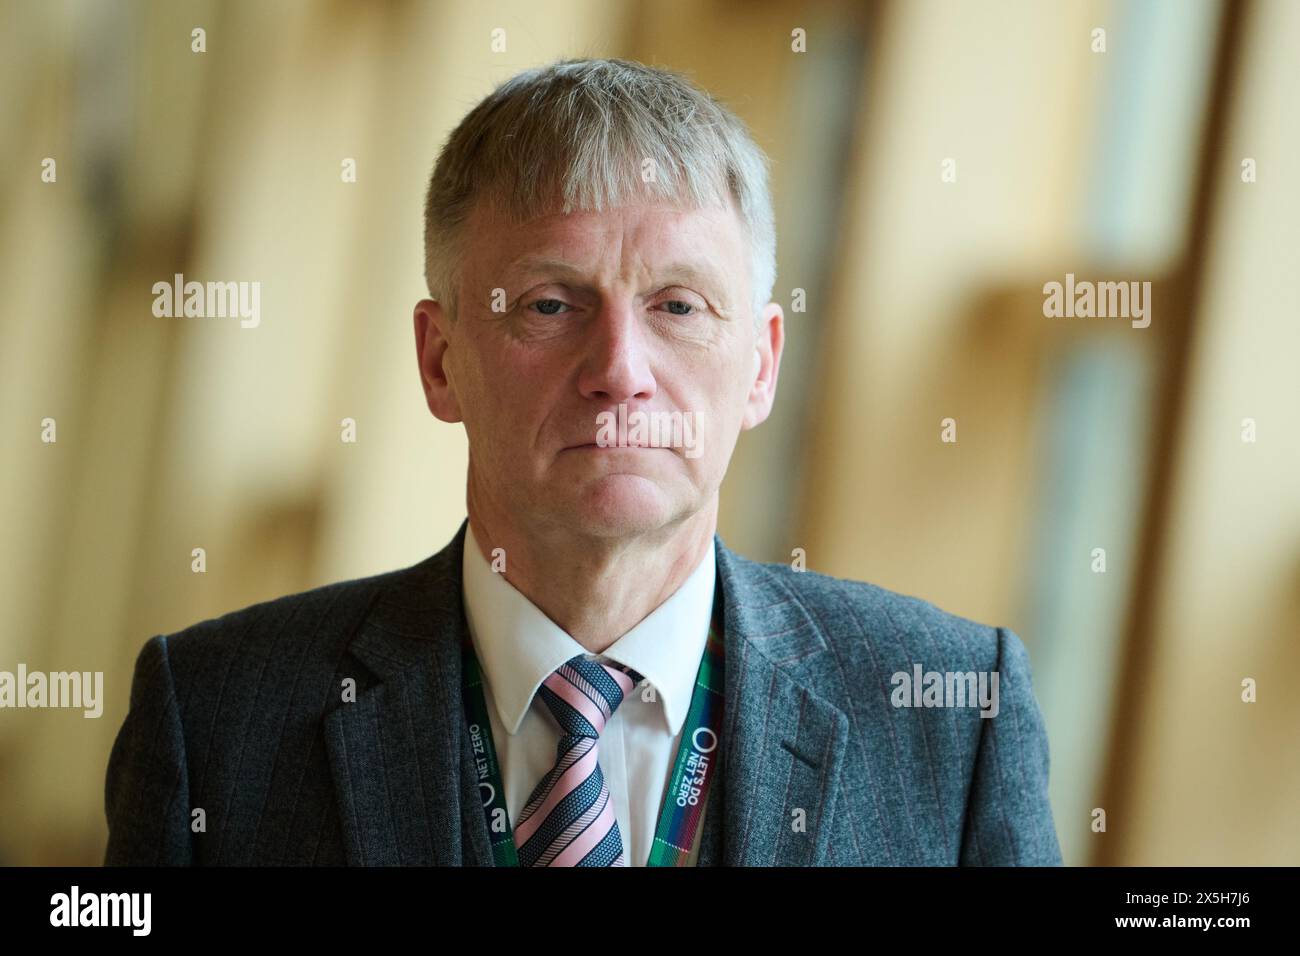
432 341
769 340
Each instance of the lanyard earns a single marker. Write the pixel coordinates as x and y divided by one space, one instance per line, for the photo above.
693 769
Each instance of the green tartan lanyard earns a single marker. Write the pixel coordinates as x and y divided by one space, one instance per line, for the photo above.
693 769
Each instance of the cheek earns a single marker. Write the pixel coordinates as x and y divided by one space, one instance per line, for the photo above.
513 387
479 395
728 390
485 366
720 396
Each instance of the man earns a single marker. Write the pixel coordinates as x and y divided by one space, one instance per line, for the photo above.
586 675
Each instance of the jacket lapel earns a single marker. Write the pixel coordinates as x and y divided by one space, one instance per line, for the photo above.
783 745
400 755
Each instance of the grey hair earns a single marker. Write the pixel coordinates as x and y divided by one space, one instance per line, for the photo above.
574 135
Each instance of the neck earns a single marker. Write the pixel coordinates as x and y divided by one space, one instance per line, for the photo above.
598 589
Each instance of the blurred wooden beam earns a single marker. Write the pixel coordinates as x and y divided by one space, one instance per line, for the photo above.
1189 288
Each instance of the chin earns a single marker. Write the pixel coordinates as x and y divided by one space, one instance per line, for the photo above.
618 505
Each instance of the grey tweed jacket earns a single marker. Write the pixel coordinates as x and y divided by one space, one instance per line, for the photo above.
243 717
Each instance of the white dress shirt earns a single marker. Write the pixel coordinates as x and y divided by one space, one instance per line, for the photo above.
518 647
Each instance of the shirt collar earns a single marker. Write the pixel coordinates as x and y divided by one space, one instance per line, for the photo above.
518 646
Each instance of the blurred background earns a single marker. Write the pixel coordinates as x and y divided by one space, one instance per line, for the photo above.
935 164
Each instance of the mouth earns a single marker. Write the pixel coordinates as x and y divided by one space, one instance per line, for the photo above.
595 447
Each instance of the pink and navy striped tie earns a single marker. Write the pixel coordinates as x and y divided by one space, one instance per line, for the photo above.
569 819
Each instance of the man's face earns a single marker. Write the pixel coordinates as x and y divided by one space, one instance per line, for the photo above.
564 318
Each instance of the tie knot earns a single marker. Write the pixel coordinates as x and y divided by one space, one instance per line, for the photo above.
583 694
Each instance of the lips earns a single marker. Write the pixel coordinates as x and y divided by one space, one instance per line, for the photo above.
592 444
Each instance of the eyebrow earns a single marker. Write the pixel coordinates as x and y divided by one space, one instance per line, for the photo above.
676 273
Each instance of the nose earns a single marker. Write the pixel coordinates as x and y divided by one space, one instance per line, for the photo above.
616 367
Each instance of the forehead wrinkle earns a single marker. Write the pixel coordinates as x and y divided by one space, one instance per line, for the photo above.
688 267
681 272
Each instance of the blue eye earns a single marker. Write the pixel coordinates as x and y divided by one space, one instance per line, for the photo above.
679 302
547 302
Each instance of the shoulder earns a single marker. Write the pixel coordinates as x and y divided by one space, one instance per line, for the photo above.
892 625
868 650
310 628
